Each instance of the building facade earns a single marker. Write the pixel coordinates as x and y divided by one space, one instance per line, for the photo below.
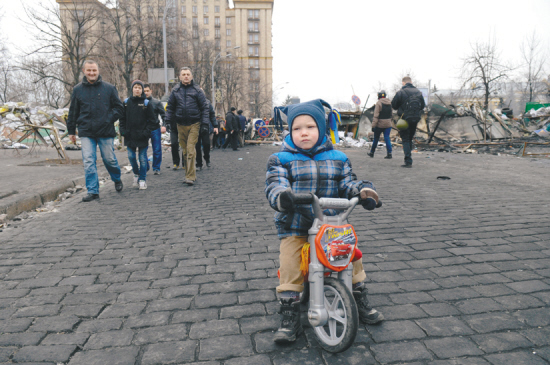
241 28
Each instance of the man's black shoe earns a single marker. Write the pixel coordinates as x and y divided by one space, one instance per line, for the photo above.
370 154
90 197
118 186
199 167
407 166
208 164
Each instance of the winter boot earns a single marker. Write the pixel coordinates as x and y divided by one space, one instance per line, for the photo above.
367 314
388 156
290 327
370 154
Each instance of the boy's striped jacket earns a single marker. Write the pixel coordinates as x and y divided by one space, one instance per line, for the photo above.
323 171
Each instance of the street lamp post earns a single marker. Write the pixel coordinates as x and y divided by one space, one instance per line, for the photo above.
164 46
213 93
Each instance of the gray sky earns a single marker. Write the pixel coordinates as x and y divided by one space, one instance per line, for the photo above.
323 48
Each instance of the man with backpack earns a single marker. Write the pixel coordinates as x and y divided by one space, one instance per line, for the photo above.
409 104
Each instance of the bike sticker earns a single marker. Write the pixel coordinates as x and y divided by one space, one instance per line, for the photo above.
336 246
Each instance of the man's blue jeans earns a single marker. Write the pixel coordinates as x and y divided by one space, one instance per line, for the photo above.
89 158
157 149
140 170
377 132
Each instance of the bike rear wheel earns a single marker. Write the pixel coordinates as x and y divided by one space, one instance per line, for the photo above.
339 333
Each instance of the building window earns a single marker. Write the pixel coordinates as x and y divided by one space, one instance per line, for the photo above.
150 20
228 20
253 26
254 74
254 63
195 33
253 38
216 9
150 9
228 32
206 32
228 43
185 44
195 21
217 45
183 9
253 14
218 35
217 21
253 51
195 10
184 20
205 19
205 9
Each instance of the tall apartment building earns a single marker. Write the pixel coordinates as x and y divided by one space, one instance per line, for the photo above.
239 27
247 26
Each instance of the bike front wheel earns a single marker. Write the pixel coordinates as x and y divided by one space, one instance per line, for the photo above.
339 333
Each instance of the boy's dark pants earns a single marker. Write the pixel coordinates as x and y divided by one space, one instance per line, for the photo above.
407 136
175 147
204 140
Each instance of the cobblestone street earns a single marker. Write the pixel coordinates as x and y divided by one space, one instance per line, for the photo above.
174 274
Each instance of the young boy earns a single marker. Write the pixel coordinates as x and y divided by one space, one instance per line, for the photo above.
307 163
136 124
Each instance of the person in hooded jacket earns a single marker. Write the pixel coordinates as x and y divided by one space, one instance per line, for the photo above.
381 123
307 163
136 124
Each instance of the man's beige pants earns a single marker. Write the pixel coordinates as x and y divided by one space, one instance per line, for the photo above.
188 136
291 278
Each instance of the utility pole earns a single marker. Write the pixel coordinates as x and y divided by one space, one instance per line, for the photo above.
164 47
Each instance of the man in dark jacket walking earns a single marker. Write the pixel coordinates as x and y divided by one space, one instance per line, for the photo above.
95 107
242 126
409 104
204 138
156 142
136 125
232 126
187 108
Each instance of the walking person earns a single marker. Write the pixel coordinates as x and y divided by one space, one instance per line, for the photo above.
156 141
409 104
137 123
381 123
232 129
242 126
187 108
95 107
204 138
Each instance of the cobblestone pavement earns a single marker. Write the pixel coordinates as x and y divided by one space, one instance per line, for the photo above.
175 274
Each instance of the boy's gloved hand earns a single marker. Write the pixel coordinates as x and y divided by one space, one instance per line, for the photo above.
285 201
369 198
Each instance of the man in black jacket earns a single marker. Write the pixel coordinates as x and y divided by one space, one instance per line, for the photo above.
409 104
156 142
187 108
232 126
204 138
95 107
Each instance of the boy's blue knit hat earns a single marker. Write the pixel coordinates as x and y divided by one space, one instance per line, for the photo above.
313 108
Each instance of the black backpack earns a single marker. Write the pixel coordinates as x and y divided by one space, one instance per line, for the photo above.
412 108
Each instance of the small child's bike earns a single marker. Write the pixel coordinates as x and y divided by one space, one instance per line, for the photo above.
332 247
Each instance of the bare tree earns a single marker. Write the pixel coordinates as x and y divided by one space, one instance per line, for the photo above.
534 60
66 33
483 68
121 39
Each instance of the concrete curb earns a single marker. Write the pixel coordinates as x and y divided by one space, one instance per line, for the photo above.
14 205
25 202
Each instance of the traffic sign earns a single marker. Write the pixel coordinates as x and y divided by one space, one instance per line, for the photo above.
259 123
263 132
356 100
